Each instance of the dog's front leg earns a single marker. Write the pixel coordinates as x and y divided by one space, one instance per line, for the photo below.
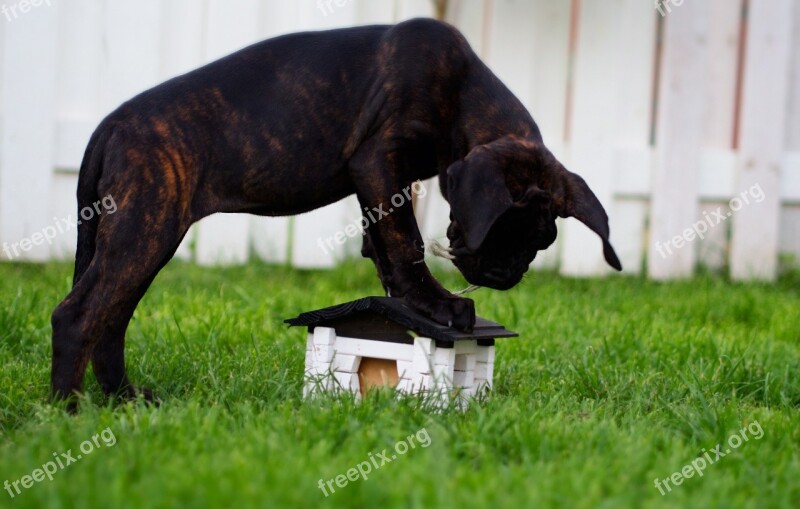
394 244
398 253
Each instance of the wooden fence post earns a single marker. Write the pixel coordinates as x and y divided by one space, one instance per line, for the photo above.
679 140
754 247
29 74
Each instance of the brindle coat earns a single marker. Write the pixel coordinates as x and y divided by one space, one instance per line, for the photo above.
298 122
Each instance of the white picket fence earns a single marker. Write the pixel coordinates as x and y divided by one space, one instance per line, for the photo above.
666 118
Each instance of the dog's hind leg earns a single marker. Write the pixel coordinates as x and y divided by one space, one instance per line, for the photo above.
108 355
132 245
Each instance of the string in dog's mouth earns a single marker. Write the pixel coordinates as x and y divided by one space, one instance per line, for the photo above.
438 249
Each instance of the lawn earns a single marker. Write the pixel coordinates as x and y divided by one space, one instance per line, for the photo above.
612 384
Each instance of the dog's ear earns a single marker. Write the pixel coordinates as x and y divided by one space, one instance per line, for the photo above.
478 195
573 198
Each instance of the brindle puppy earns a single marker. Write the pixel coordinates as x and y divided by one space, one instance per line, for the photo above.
295 123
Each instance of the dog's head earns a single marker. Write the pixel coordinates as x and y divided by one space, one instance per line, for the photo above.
504 199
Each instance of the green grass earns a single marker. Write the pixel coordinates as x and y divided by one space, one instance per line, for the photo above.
612 383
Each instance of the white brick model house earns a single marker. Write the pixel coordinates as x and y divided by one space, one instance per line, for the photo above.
379 341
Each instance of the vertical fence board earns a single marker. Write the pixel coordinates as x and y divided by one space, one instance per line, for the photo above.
789 243
717 176
633 155
793 117
723 46
26 135
679 139
547 97
765 93
132 47
79 61
468 16
77 108
376 13
182 37
593 135
407 9
512 45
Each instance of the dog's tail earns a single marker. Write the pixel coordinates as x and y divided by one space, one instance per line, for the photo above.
90 173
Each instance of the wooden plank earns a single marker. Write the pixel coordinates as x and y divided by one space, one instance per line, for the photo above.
634 99
547 97
28 106
723 46
269 237
313 16
62 205
182 37
712 249
718 171
680 133
793 115
277 17
790 178
379 13
230 26
132 44
469 17
789 242
408 9
80 55
635 47
598 67
321 238
222 239
71 138
512 46
765 94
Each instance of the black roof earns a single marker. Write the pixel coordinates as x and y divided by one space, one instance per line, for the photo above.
388 319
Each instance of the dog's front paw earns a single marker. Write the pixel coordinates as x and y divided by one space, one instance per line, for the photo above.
449 310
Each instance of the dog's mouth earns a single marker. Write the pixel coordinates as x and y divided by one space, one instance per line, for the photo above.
498 274
497 279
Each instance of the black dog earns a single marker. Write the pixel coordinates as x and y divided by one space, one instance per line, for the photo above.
295 123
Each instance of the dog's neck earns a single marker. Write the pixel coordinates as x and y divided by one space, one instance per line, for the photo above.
490 111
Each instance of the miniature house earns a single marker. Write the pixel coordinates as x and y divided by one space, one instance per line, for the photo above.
380 341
